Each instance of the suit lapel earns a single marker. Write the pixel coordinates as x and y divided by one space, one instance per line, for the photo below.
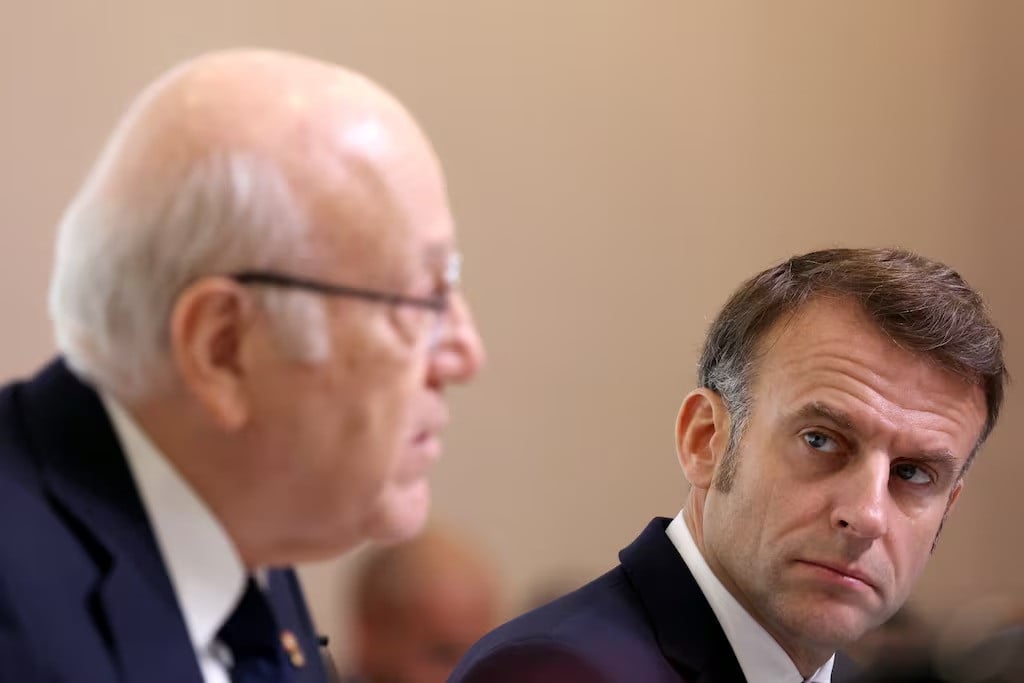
685 625
285 596
88 478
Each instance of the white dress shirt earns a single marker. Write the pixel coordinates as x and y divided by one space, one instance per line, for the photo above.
762 659
205 570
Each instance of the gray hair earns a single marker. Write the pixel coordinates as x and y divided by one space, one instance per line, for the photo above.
123 258
924 306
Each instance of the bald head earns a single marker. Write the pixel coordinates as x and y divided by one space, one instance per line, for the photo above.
260 267
242 158
319 123
419 606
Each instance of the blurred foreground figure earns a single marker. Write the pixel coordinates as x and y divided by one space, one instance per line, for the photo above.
842 397
901 637
418 607
965 650
253 296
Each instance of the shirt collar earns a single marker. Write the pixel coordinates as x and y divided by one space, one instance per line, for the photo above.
762 659
204 567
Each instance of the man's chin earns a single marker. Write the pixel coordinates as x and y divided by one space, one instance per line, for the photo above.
402 512
832 625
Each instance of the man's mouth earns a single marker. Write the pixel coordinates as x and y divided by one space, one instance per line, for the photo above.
840 573
428 441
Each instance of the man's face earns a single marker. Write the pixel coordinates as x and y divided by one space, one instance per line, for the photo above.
357 433
849 463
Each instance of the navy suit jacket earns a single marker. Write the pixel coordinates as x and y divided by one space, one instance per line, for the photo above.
84 595
646 621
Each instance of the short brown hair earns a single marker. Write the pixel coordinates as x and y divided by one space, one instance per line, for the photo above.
924 306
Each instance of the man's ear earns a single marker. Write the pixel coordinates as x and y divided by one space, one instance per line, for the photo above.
702 436
207 328
953 495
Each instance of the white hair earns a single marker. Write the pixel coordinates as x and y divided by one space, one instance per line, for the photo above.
123 257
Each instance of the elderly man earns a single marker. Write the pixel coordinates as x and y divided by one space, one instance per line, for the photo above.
253 296
843 395
419 606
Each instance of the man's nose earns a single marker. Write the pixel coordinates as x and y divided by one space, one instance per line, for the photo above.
862 498
459 354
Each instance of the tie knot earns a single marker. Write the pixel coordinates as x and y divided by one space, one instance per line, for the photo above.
251 631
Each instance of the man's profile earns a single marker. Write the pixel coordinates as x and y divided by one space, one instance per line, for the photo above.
255 301
842 397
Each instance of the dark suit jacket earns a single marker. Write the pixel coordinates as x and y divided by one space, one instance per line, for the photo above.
646 621
84 595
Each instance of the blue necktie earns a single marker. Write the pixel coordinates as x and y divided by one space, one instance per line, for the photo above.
252 636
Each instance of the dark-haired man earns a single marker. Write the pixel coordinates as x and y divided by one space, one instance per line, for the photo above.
842 396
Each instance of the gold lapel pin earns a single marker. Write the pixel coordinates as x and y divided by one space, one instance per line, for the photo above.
293 649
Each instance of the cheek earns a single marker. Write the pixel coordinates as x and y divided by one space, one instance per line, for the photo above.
785 514
755 495
729 537
400 511
390 382
374 400
910 550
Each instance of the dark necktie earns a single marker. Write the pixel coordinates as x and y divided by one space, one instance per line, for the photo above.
252 636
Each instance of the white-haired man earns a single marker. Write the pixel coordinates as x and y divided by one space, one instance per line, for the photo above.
253 297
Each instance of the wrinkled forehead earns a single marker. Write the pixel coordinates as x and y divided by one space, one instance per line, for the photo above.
833 345
825 322
364 174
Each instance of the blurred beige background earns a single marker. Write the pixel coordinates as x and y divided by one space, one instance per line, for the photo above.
617 167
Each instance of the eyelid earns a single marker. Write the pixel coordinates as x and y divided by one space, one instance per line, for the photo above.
933 475
431 284
832 445
441 289
831 433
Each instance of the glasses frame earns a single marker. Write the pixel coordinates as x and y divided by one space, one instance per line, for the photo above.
439 303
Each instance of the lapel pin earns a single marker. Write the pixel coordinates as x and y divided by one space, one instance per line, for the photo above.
293 649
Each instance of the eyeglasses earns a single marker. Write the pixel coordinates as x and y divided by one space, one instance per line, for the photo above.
438 303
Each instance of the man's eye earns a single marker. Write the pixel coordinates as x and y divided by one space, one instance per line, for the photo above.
911 473
821 442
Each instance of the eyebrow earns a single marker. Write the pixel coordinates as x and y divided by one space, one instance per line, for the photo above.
941 457
821 410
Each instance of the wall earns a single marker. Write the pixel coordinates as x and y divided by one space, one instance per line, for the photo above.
617 168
